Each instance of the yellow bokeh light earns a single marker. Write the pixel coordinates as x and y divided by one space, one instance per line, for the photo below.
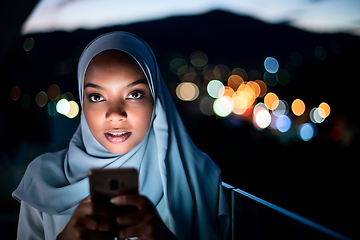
271 101
298 107
255 87
74 109
187 91
324 106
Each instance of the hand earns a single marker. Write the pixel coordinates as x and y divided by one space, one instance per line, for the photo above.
145 223
90 221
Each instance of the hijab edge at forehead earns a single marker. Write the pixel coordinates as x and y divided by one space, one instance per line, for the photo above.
124 42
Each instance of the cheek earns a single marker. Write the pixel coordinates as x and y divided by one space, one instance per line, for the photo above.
93 119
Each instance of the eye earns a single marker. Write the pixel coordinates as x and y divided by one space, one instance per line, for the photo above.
135 95
95 98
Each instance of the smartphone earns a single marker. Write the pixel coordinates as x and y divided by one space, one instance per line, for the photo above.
106 183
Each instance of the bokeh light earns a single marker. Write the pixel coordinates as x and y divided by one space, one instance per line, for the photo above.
198 59
63 106
74 109
262 118
226 91
214 87
283 77
51 108
298 107
271 65
270 79
281 109
271 101
240 72
307 131
187 91
206 106
178 66
28 44
234 81
324 106
53 92
41 99
15 93
283 123
315 115
263 87
223 106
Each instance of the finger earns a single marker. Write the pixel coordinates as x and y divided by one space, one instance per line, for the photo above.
104 209
139 201
140 231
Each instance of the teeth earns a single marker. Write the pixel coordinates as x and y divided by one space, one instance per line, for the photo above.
117 134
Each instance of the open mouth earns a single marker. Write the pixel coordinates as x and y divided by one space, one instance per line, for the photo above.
116 136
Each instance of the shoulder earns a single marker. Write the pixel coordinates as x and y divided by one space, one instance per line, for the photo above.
46 164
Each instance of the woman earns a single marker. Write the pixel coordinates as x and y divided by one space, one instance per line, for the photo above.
128 119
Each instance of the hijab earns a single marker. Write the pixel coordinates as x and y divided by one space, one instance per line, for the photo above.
171 168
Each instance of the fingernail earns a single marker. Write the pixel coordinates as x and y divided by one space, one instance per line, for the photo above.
116 200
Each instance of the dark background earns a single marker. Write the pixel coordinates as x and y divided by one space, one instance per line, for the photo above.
317 179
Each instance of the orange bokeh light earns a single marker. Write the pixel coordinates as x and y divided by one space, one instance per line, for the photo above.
263 87
298 107
271 101
234 81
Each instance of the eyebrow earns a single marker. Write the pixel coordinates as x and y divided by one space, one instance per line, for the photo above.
141 81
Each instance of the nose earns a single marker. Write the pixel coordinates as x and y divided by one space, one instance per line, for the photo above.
116 112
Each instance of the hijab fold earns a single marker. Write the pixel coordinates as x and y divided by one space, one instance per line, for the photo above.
171 168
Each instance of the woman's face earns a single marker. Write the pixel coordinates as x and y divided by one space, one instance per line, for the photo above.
117 101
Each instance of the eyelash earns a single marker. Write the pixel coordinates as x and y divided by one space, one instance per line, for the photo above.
92 95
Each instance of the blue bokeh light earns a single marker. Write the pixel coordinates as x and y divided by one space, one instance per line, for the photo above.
283 123
307 131
271 65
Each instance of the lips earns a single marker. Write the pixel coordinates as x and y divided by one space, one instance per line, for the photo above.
117 136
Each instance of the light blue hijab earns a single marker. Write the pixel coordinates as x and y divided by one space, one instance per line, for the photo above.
171 168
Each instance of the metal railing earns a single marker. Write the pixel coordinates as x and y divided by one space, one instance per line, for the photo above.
254 218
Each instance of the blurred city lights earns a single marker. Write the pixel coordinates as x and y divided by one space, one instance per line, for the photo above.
51 108
298 107
271 101
214 87
270 79
234 81
263 88
74 109
223 106
281 109
41 99
271 65
262 118
63 106
206 106
15 93
187 91
283 123
226 91
307 131
28 44
178 66
324 106
53 92
282 77
315 116
198 59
